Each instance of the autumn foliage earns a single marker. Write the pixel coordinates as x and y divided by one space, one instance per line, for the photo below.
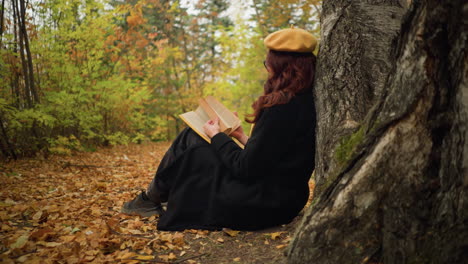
67 210
79 74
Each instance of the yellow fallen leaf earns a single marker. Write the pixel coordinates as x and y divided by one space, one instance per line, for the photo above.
127 255
172 256
178 239
20 242
37 215
236 259
220 240
5 227
91 252
281 246
49 244
143 257
8 202
67 238
135 231
275 235
4 204
231 232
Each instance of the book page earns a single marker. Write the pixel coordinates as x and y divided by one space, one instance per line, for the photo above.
229 120
196 119
204 117
213 115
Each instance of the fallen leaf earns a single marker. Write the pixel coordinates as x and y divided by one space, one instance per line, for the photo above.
220 240
49 244
126 255
9 202
20 242
275 235
171 256
231 232
42 234
143 257
37 215
281 246
236 259
67 239
178 239
91 252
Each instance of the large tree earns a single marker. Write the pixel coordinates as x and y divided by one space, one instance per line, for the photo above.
392 139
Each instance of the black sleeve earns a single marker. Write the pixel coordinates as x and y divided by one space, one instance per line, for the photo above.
270 138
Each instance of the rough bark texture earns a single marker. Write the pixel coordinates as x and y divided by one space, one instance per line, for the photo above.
401 194
354 61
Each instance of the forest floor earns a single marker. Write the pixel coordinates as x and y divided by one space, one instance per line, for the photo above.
66 209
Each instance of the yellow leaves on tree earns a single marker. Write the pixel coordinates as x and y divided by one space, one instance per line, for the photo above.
136 15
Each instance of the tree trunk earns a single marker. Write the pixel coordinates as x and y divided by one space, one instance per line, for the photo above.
7 150
32 85
400 194
2 15
27 91
357 38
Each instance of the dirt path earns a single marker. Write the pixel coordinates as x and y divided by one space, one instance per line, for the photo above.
66 210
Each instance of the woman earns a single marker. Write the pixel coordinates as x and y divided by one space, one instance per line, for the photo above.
211 186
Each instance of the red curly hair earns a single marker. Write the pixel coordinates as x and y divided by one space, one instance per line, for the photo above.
290 73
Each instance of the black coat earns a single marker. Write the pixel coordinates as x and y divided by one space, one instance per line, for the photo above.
266 184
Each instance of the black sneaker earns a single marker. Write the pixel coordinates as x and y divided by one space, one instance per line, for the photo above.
142 206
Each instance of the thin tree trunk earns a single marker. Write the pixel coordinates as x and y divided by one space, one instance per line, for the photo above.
30 76
2 15
401 194
15 78
27 90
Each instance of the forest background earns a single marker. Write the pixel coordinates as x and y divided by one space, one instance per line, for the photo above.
77 74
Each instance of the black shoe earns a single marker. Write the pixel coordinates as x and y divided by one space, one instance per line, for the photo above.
142 206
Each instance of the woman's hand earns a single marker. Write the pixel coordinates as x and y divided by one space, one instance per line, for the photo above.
239 134
211 127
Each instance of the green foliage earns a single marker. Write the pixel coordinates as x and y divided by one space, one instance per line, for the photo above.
65 145
117 138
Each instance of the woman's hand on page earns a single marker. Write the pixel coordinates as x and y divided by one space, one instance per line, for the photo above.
239 134
211 127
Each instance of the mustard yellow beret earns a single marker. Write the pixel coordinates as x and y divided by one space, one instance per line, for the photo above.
291 39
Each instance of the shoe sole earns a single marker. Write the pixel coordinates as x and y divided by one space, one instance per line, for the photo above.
148 213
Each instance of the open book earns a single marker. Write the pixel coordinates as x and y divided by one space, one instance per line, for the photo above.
209 108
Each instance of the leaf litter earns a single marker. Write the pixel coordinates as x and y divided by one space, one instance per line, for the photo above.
66 209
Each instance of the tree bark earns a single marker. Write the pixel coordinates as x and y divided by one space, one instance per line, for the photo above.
2 15
8 150
357 38
32 85
27 91
400 195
